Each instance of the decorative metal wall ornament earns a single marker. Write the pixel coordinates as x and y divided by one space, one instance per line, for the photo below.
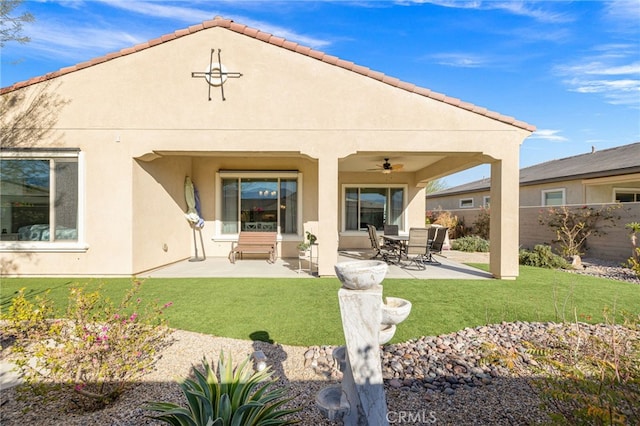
216 74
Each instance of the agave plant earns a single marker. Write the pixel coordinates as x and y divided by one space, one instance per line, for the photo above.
231 397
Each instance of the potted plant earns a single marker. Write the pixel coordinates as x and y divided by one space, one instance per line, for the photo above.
305 245
312 238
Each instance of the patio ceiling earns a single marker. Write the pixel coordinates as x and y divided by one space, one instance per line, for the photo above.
429 166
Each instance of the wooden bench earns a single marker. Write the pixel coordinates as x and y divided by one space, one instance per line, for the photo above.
255 243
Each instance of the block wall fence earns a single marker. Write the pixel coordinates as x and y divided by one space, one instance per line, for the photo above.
614 244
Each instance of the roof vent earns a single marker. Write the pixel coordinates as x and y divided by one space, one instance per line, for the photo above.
593 149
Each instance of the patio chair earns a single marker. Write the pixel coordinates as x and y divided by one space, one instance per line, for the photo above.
435 246
417 248
391 230
384 251
432 233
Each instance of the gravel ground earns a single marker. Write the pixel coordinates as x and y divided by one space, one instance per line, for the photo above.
440 380
507 399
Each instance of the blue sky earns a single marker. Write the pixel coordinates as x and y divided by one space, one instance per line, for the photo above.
572 69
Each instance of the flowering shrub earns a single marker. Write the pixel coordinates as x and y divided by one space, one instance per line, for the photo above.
95 351
573 226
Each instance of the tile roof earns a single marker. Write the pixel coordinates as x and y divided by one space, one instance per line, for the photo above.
615 161
281 42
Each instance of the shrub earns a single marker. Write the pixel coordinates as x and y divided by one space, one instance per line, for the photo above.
595 377
96 351
230 396
481 224
471 244
573 226
542 257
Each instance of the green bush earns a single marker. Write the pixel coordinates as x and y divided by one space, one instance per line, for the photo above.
542 257
230 396
471 244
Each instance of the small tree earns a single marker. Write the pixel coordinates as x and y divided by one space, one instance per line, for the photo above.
634 260
573 226
10 24
481 224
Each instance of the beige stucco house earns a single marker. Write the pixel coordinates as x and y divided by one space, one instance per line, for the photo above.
596 178
297 144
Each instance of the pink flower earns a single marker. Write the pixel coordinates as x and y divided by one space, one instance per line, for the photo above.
166 305
133 317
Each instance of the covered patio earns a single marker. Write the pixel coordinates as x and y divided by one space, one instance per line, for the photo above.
355 148
451 267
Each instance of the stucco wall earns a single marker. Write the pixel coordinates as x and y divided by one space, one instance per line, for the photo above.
142 123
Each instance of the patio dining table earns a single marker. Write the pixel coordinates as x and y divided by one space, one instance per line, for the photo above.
398 242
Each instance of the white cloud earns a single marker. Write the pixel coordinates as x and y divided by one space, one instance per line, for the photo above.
624 15
194 15
613 73
548 135
541 12
50 38
82 39
462 60
161 10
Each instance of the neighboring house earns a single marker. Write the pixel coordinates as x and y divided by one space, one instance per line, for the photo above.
596 178
296 142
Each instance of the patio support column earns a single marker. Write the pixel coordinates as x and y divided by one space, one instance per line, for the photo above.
504 221
328 196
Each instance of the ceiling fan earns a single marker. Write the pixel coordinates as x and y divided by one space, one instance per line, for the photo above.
387 167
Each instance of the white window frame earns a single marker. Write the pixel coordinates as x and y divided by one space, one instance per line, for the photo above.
343 206
462 201
635 191
486 201
544 192
238 174
52 246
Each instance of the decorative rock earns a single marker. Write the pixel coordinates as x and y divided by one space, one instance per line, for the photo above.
395 383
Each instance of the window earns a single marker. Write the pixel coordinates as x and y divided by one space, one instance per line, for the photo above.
39 196
466 203
260 203
553 197
486 201
627 195
377 206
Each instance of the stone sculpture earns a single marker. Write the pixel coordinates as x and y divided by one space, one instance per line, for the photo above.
367 323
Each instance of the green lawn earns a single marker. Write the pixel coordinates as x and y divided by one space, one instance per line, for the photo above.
306 312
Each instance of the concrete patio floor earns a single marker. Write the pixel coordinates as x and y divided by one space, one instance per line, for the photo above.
450 266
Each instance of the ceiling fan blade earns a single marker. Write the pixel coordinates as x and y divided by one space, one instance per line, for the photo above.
397 167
